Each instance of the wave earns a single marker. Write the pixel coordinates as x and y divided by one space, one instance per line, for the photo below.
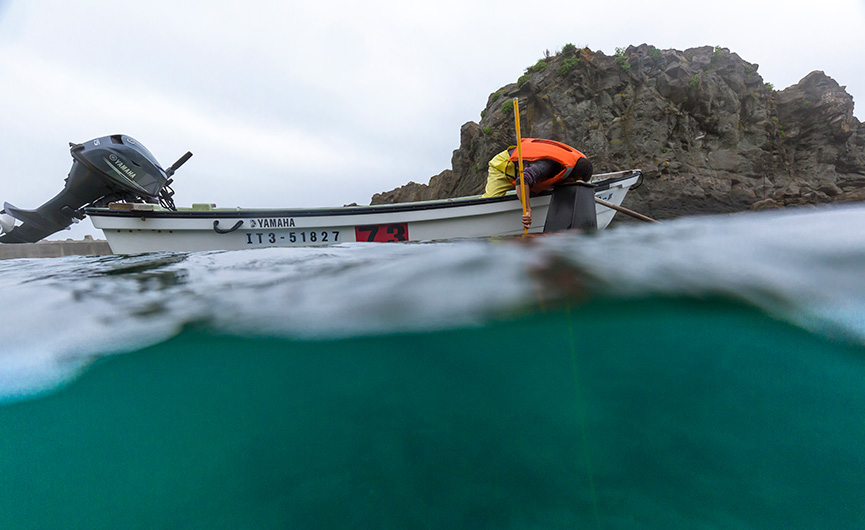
799 265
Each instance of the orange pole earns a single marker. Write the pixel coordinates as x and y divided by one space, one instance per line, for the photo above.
520 160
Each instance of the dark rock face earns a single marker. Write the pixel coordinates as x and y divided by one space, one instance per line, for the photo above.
709 134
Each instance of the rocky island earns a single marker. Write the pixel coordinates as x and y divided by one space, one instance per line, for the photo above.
709 134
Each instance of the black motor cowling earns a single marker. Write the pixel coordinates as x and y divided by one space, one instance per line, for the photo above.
111 168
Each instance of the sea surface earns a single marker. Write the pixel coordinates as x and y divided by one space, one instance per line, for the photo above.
703 373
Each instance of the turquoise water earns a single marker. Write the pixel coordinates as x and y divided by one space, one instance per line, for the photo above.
705 373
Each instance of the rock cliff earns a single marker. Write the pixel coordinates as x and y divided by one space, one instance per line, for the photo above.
710 135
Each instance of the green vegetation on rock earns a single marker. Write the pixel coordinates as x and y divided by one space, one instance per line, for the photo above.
621 60
568 65
539 66
694 81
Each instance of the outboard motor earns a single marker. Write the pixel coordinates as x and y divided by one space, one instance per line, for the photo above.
111 168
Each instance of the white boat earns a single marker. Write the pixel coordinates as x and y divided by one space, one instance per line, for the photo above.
135 228
120 185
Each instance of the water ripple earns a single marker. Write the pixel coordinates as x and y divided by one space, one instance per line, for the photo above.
802 265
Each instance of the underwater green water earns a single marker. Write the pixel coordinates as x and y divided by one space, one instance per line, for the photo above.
648 413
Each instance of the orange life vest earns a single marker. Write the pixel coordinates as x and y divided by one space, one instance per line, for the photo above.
541 149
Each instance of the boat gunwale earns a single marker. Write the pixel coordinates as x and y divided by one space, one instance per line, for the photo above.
342 210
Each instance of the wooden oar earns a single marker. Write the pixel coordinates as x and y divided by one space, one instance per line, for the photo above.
520 160
626 211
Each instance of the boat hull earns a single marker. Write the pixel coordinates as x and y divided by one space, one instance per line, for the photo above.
132 231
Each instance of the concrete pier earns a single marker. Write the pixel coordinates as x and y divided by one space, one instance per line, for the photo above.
55 249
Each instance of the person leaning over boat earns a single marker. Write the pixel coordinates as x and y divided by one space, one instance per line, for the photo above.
546 163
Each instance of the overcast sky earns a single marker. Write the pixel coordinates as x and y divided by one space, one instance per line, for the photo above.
324 103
